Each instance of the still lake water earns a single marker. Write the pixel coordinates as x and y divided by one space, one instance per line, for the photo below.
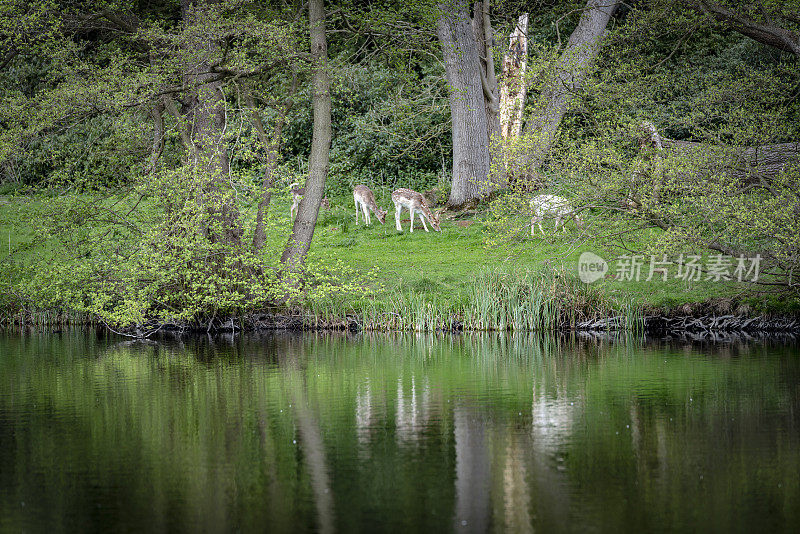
402 433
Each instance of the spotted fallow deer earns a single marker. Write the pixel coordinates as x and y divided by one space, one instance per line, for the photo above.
365 201
552 206
415 204
297 195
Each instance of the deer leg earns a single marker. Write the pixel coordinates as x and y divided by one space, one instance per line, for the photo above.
357 207
366 216
397 209
421 218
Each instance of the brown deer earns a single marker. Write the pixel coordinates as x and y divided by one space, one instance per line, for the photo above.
297 195
365 200
415 204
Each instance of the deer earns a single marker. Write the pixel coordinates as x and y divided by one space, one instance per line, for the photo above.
554 206
297 195
415 203
365 200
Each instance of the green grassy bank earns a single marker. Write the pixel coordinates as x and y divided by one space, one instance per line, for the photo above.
426 281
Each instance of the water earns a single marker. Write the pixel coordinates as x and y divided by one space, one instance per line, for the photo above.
397 433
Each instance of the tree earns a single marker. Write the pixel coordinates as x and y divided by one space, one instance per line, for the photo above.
294 254
514 86
765 22
723 176
484 36
572 68
471 162
205 121
272 147
166 242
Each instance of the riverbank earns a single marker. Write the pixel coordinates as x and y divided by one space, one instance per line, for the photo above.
460 279
674 324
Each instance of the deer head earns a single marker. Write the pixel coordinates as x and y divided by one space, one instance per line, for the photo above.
435 217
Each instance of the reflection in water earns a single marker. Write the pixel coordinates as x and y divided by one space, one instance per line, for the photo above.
312 446
409 432
413 411
516 491
364 413
472 471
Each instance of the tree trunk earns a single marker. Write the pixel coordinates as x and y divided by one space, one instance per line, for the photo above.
296 250
467 107
272 147
513 86
573 67
157 112
206 121
745 164
206 102
484 36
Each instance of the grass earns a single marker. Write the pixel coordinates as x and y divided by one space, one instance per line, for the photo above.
437 280
443 264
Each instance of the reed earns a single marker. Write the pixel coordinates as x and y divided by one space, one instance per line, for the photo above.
518 300
34 317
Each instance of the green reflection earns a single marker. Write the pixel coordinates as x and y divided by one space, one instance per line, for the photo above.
406 432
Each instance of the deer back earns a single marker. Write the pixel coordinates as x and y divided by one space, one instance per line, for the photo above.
415 201
365 195
408 197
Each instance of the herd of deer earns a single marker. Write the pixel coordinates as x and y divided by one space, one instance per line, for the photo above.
542 206
364 198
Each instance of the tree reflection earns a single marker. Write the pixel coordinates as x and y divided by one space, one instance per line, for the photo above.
413 433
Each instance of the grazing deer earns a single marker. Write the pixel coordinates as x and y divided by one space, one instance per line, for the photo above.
415 203
297 195
365 199
554 206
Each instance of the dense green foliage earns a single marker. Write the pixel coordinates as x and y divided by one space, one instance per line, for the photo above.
697 82
106 232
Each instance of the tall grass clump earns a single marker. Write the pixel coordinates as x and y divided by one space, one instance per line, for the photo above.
525 300
518 300
632 316
409 310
